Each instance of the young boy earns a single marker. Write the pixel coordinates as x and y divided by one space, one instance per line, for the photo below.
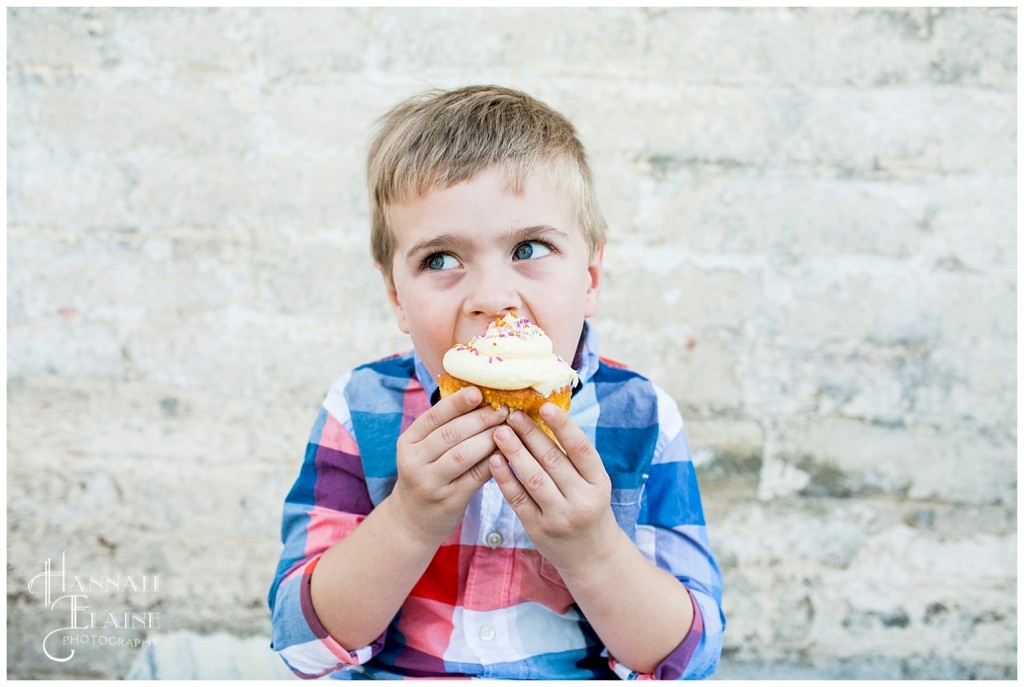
438 538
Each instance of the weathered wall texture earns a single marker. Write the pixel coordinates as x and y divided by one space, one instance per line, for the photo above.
813 248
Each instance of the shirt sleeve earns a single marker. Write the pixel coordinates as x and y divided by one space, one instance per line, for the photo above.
671 533
328 500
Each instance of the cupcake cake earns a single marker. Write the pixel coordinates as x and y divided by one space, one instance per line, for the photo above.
514 366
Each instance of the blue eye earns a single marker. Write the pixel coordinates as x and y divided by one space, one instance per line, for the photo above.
528 250
440 261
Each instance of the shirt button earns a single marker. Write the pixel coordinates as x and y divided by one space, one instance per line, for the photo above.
487 633
494 540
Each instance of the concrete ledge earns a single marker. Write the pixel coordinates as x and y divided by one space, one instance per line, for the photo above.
220 656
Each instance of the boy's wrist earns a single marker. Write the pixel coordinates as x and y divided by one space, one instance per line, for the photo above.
600 561
409 526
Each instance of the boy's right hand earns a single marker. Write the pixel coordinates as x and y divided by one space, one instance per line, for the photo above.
442 462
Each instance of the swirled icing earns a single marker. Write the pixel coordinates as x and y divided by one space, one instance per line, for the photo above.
513 353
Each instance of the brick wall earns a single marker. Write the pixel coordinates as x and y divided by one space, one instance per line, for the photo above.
813 249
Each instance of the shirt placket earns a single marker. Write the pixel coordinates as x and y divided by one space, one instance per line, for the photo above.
489 578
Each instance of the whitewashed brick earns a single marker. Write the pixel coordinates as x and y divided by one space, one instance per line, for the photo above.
812 248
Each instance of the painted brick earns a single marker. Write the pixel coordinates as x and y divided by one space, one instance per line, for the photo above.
812 248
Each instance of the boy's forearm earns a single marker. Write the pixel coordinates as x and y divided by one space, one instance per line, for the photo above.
361 581
640 612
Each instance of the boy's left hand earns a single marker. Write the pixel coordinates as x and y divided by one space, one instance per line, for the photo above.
563 498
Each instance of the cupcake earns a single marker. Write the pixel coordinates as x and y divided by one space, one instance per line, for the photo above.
514 366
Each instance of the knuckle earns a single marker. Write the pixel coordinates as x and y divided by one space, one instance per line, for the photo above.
535 480
404 463
460 455
518 500
482 421
431 418
552 456
478 472
449 434
403 443
580 446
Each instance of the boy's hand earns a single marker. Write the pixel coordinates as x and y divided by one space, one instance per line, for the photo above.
563 498
442 462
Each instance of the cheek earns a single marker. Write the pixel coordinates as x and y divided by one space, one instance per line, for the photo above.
430 332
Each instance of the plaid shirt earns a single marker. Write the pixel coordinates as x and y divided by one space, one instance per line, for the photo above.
488 605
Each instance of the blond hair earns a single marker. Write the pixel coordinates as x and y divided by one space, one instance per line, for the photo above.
440 138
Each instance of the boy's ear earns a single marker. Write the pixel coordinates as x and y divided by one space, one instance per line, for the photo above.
396 304
594 273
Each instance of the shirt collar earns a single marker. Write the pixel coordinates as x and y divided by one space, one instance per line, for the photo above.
587 359
428 383
585 362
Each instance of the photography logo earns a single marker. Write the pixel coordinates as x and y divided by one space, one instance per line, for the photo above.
67 596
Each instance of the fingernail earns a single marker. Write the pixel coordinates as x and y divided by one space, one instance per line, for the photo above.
502 433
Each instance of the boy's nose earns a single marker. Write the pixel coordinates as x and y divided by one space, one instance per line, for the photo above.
491 296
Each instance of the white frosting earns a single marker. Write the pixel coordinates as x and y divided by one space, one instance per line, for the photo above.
514 353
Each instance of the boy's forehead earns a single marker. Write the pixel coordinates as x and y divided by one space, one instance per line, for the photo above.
489 198
509 178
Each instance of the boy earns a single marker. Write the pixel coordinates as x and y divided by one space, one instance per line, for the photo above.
438 538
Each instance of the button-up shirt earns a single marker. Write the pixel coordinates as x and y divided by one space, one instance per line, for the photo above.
488 604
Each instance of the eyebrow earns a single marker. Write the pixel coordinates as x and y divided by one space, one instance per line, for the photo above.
434 244
450 241
540 230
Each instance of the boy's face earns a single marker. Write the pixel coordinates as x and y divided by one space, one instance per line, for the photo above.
468 254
